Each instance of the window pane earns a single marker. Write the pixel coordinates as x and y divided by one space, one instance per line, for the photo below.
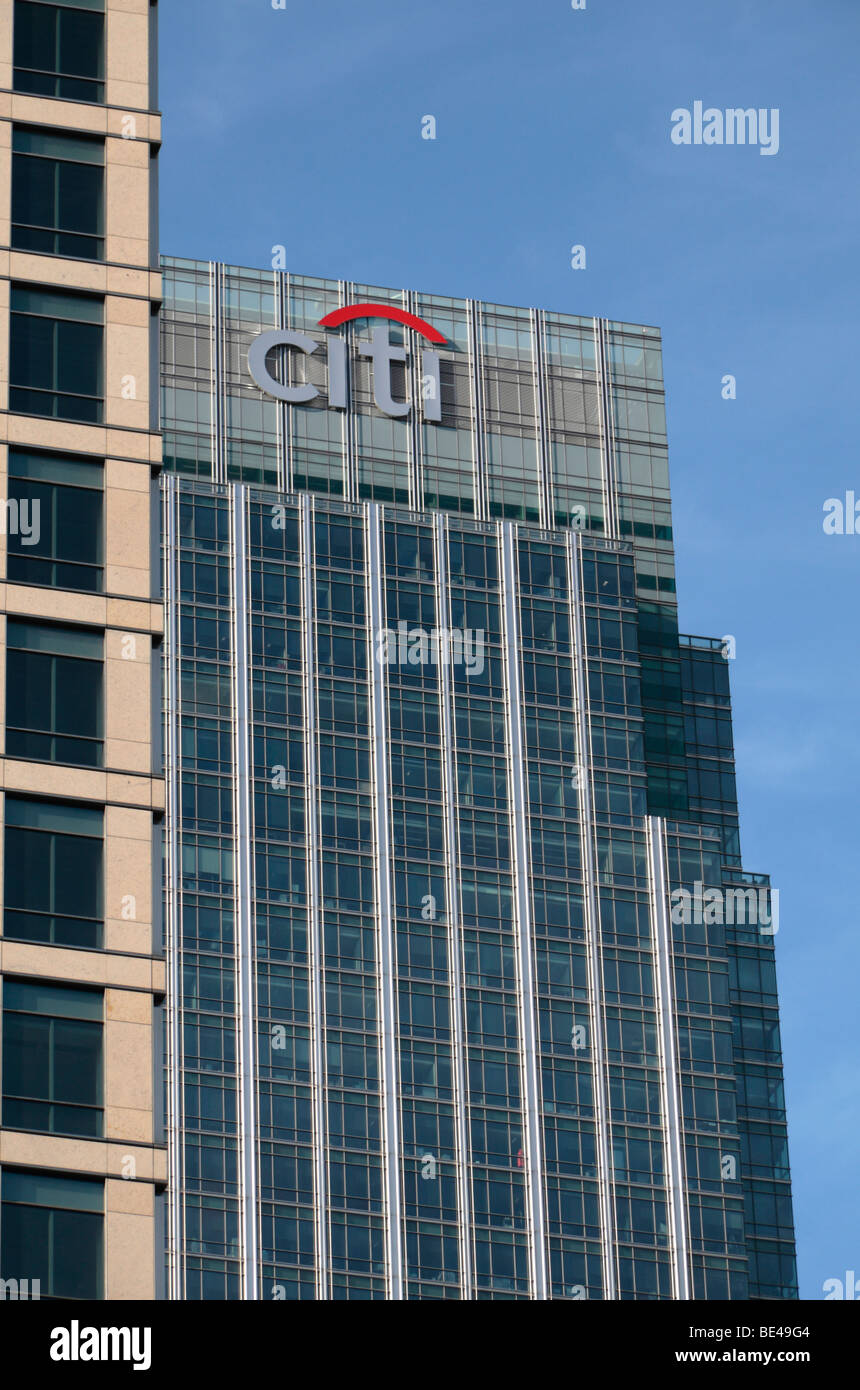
25 1234
33 192
59 49
63 816
54 527
32 351
58 1001
26 1056
52 1190
53 886
54 701
57 204
56 354
57 144
76 1250
79 351
59 304
60 1245
77 1062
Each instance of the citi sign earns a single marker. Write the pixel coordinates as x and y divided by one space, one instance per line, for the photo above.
381 352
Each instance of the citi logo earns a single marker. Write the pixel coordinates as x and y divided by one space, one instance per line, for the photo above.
381 352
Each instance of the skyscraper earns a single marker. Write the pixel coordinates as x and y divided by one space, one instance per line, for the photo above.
469 995
410 954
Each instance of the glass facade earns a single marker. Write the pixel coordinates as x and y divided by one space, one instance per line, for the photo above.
469 995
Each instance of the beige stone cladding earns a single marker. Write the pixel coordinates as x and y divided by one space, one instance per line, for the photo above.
128 968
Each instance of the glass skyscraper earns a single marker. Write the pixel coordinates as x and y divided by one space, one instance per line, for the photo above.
468 994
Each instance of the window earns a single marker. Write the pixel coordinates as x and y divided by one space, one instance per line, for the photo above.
56 343
58 193
52 1058
53 872
52 1229
54 524
59 49
54 679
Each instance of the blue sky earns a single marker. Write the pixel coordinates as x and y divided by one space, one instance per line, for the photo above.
301 127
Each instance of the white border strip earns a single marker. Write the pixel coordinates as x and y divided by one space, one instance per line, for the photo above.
455 944
246 1021
592 918
315 940
670 1080
525 952
386 964
173 899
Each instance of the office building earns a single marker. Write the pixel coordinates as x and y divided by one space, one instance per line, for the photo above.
81 1157
433 1031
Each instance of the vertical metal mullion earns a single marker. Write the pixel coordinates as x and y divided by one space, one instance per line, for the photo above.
455 943
416 420
244 898
669 1068
218 427
386 967
479 449
284 411
214 370
350 480
607 427
525 948
544 451
592 917
315 940
173 894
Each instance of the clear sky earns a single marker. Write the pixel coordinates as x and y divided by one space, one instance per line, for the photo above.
301 126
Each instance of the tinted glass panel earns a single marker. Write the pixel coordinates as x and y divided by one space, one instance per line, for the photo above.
59 51
57 194
53 886
56 355
54 529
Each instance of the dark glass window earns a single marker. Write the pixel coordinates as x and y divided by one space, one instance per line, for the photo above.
53 875
58 193
54 521
52 1058
54 693
52 1229
59 49
56 344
